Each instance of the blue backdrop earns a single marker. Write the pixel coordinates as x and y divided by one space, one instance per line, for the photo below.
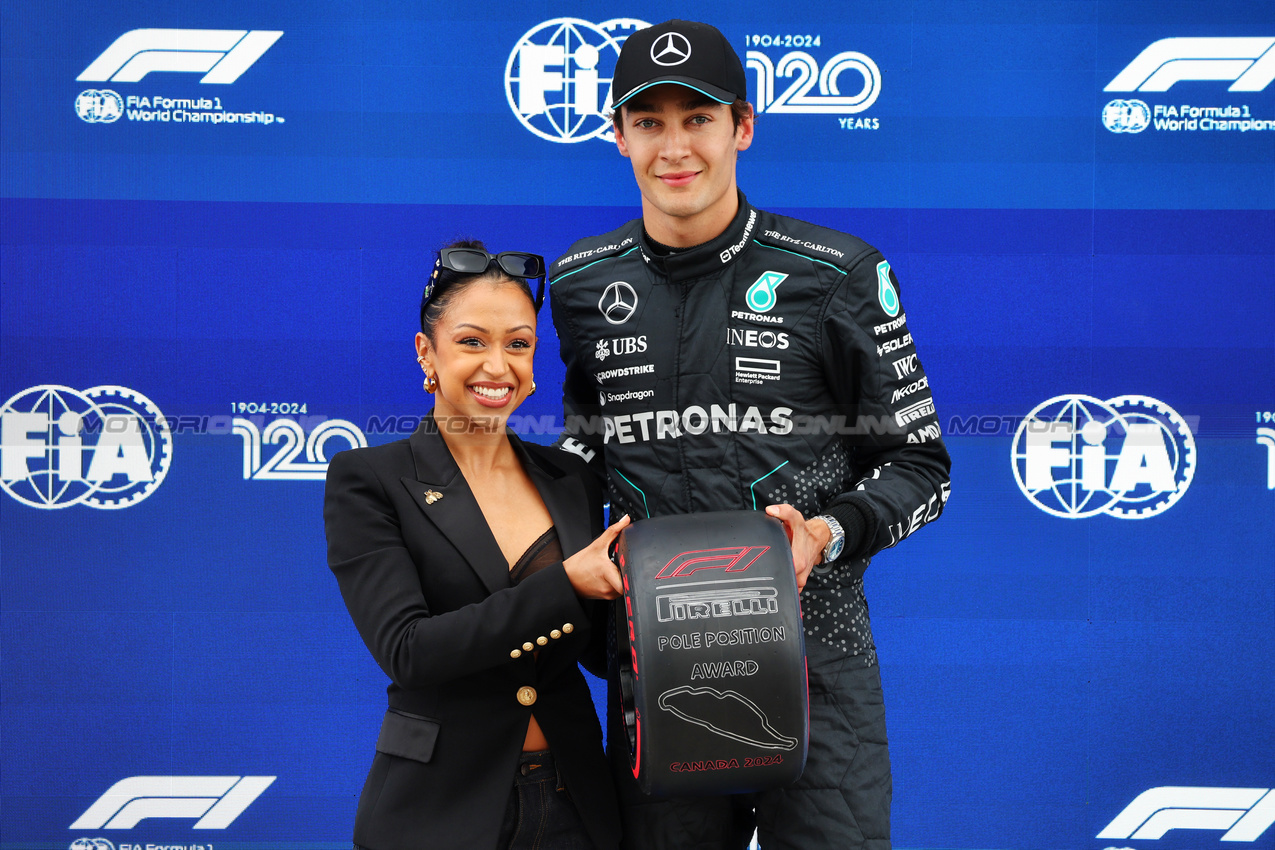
215 219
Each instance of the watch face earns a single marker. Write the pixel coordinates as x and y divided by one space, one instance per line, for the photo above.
834 549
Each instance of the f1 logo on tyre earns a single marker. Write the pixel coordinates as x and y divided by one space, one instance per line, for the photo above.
728 559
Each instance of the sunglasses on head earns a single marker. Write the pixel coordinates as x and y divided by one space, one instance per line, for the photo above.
513 263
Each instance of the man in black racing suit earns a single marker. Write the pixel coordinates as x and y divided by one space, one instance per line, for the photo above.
720 357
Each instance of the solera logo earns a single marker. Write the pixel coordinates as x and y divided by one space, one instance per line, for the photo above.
220 55
732 559
106 447
1077 456
215 800
1249 62
1245 813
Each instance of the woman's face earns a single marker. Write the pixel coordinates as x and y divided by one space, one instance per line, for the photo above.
481 355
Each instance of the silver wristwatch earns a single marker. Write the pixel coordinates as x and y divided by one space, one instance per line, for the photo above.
838 542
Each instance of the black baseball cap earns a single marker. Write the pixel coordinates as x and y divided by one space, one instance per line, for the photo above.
687 53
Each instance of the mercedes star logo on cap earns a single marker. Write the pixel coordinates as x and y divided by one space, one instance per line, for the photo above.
672 48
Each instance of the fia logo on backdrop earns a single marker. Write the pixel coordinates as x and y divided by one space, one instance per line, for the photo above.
106 447
1076 456
558 76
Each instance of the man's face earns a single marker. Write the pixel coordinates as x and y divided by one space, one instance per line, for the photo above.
683 148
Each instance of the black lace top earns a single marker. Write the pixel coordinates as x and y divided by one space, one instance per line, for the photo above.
545 551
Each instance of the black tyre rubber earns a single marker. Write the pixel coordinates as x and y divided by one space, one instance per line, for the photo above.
712 654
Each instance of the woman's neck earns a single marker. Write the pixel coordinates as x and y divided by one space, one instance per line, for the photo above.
478 451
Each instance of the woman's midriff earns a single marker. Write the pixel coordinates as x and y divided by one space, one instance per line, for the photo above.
535 740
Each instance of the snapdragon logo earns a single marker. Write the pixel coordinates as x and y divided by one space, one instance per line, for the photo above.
558 77
1076 456
1244 814
215 800
106 447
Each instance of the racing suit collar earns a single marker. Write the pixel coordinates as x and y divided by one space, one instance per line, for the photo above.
710 257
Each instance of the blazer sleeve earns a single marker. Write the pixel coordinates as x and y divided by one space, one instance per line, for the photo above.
415 646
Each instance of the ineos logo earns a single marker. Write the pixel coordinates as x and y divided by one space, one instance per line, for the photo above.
618 302
671 49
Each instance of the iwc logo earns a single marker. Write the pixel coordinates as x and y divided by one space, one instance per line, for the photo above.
1130 457
618 302
558 77
106 447
1126 116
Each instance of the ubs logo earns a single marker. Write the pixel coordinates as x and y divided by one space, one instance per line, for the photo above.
618 302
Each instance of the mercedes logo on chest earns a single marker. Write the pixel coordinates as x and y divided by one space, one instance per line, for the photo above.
671 49
618 302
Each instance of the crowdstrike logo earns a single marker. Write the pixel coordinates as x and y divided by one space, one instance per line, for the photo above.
1248 62
558 77
1130 457
221 56
1244 813
215 800
106 447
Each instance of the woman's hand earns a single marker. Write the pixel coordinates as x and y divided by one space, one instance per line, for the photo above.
591 571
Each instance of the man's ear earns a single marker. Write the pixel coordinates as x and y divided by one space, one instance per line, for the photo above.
744 132
619 134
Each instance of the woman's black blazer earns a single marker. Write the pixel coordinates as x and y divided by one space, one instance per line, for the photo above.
428 589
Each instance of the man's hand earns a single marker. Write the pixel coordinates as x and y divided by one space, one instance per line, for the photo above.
807 537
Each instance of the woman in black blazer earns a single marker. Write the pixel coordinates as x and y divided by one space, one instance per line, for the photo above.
474 566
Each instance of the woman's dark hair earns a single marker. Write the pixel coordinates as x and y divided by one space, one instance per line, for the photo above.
447 285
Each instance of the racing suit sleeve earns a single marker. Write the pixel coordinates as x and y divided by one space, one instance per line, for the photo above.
581 413
894 443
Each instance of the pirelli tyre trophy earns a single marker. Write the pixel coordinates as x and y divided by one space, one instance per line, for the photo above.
712 654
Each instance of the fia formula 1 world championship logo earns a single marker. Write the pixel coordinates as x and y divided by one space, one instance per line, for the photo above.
558 77
1130 457
106 447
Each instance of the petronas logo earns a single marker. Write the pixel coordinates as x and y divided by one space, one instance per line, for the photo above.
761 296
885 290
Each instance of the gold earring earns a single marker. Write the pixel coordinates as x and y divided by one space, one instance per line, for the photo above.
431 384
533 389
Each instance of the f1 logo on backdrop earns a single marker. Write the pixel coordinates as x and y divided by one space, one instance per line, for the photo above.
1077 456
220 55
215 800
106 447
1244 813
1248 63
